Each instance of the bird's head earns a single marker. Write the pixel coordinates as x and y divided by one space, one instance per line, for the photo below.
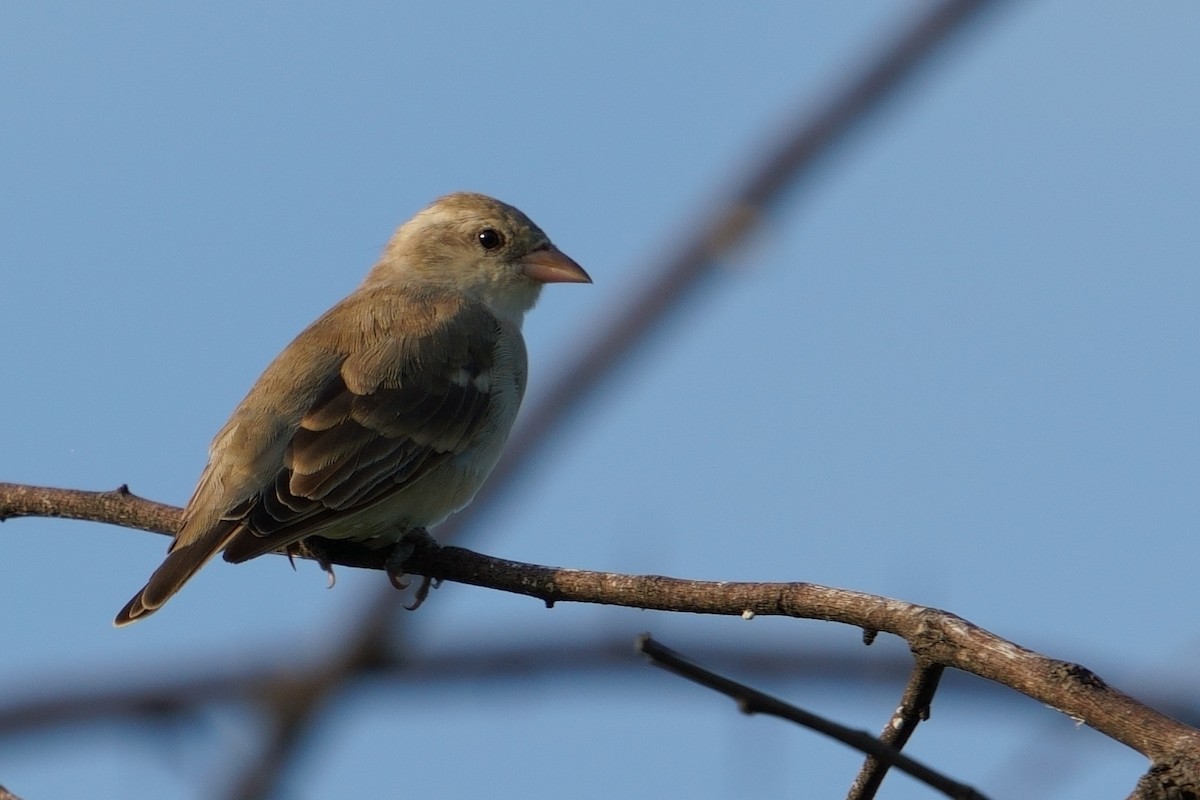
477 245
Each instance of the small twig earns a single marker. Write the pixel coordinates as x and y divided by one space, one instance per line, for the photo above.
752 701
913 709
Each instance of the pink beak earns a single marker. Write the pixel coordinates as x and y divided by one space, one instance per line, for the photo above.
551 265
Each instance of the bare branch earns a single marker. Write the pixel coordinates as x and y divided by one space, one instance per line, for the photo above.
913 709
935 637
752 701
118 507
938 637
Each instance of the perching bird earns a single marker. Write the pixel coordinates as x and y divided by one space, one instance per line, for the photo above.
386 414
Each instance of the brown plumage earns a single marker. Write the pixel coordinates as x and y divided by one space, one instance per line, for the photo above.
387 413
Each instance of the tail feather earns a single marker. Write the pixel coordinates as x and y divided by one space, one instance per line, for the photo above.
177 569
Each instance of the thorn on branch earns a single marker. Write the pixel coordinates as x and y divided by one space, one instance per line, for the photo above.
1079 675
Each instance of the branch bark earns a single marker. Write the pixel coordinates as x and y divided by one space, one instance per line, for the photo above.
935 637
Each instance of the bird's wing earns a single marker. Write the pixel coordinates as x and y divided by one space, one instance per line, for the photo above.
355 448
400 399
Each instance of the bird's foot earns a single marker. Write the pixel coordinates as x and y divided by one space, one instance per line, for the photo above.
413 541
312 548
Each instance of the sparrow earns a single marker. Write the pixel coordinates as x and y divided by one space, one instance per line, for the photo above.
385 415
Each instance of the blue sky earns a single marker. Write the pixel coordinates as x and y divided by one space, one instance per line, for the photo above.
959 367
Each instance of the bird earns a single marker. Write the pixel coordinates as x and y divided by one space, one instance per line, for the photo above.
386 414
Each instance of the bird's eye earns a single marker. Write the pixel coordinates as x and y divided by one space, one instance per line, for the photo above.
490 238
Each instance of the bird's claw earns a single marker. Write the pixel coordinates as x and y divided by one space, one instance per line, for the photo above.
411 542
314 550
427 583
